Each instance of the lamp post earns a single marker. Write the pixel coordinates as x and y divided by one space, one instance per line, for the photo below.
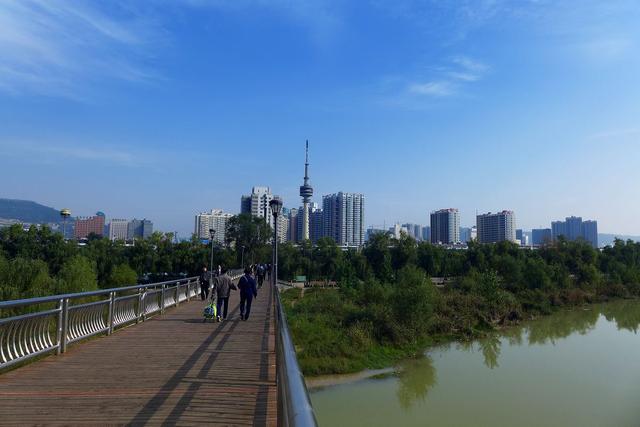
64 213
276 207
242 258
212 234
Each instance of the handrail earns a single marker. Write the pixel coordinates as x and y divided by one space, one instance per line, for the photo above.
42 300
294 404
26 336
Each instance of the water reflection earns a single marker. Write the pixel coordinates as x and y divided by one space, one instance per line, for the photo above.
490 347
415 378
624 313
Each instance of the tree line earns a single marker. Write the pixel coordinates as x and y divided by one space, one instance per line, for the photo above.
388 307
39 262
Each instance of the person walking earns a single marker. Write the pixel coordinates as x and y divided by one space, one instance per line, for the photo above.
205 283
261 274
224 285
248 291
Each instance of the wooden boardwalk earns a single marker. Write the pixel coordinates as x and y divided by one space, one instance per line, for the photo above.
171 369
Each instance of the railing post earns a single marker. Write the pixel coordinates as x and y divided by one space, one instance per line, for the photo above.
60 320
65 325
141 308
162 300
112 306
177 294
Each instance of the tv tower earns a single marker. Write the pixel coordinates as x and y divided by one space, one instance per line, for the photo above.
306 192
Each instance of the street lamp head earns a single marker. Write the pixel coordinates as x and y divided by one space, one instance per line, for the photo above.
212 232
276 206
65 213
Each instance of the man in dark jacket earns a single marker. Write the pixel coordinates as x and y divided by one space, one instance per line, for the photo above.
205 283
248 291
224 285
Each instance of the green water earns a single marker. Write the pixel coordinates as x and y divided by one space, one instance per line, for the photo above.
574 368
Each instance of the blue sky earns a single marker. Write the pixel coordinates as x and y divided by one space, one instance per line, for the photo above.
162 109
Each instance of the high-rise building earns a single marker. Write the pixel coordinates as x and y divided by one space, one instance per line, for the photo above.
426 234
558 228
372 230
465 234
283 228
413 230
316 223
573 228
541 236
292 232
118 229
590 232
498 227
343 218
257 204
398 230
445 226
522 237
92 225
245 205
216 220
139 229
316 228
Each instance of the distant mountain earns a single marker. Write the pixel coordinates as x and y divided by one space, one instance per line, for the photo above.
28 211
607 239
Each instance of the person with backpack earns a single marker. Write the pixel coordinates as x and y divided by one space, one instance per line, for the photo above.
224 285
248 291
205 283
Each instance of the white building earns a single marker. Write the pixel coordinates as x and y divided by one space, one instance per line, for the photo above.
118 229
343 217
216 220
283 228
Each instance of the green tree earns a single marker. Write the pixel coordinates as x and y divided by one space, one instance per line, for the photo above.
78 274
122 275
378 254
249 232
403 252
327 255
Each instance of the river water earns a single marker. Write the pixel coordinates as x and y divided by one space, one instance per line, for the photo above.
573 368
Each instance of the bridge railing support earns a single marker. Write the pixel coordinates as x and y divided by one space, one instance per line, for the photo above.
50 324
294 404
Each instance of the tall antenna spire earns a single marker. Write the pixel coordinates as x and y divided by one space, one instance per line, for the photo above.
306 191
306 164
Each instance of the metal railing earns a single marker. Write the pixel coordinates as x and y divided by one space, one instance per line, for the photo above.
294 404
78 316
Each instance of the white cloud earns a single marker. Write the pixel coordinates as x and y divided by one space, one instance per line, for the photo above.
57 47
47 152
438 88
470 65
450 80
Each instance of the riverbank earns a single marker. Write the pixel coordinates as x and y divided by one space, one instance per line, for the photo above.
333 336
575 367
315 383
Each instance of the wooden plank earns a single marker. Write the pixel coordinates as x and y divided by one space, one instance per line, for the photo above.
171 369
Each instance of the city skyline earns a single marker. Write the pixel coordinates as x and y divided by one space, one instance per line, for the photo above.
168 109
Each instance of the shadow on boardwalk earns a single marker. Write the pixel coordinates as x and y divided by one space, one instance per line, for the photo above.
172 369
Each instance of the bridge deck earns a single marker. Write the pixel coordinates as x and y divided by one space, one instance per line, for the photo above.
170 369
